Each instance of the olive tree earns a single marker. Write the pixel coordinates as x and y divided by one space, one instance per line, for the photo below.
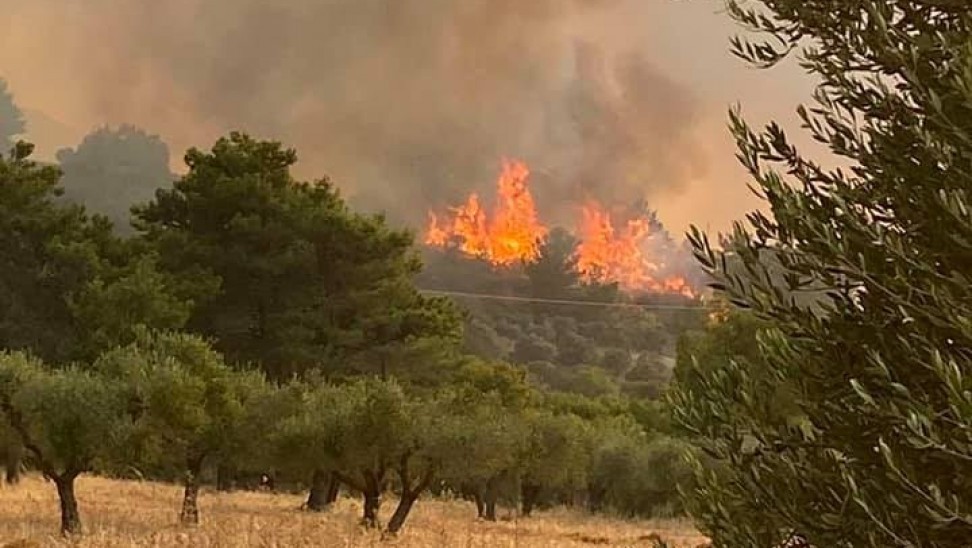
374 433
69 420
304 438
357 431
555 457
852 425
191 404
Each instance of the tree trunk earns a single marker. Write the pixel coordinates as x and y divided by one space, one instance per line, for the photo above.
320 491
372 497
70 518
490 513
12 464
529 493
410 493
490 495
480 505
473 492
333 488
372 502
190 499
401 512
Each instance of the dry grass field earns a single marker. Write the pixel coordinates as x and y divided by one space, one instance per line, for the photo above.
119 513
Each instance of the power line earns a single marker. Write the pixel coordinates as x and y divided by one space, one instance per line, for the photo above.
485 296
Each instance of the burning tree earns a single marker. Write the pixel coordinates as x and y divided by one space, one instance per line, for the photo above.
632 253
513 233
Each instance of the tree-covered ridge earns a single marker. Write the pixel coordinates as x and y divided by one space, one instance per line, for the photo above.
255 323
586 338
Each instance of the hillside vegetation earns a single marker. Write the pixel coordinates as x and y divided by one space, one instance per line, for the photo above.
250 326
254 324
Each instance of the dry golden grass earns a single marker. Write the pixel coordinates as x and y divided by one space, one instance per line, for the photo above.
122 513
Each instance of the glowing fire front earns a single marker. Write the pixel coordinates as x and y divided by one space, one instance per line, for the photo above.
605 254
512 233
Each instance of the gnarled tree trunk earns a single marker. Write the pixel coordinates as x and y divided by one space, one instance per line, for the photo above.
490 495
529 494
323 491
372 503
410 493
14 458
333 488
480 505
372 498
190 499
370 489
70 518
401 512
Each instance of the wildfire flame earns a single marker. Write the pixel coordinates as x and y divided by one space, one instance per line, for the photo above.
606 254
512 233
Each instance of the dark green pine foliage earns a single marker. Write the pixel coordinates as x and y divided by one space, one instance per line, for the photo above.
302 281
553 274
37 268
68 287
874 444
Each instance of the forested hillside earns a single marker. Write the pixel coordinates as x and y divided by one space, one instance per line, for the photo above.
591 339
254 325
235 324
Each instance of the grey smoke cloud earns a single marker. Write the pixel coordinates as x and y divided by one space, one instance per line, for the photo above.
406 104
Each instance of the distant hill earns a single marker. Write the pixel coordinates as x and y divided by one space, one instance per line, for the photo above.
49 134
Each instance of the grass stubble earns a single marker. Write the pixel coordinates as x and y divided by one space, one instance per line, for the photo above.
129 513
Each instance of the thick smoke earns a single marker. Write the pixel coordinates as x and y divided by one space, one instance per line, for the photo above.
406 104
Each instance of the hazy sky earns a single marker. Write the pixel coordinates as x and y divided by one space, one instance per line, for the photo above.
408 104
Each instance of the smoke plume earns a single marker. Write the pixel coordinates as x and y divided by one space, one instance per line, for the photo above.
405 104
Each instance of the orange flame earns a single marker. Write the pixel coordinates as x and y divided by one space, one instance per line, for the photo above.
435 235
512 234
608 255
605 256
